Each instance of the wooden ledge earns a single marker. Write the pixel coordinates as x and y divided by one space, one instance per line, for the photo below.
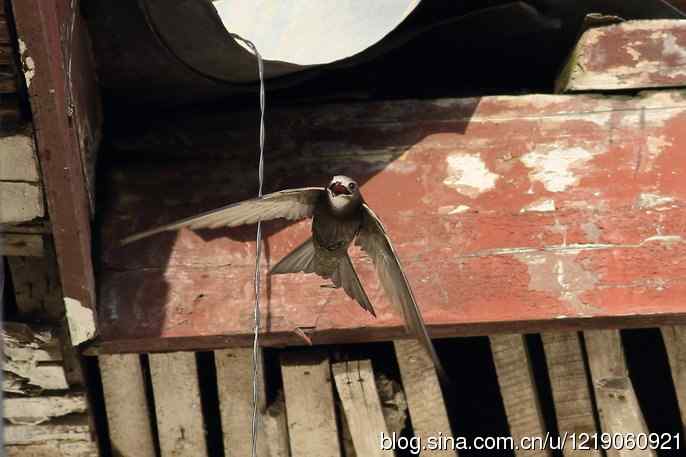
510 214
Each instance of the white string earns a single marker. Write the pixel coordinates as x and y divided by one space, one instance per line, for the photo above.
258 254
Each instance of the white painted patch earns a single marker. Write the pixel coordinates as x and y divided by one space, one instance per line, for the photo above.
555 169
468 175
453 209
81 321
539 206
28 63
650 200
671 48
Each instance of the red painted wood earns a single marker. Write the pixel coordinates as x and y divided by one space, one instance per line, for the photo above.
457 183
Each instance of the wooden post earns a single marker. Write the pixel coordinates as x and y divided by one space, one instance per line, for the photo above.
617 403
309 403
571 392
518 388
177 404
675 343
424 396
357 390
126 405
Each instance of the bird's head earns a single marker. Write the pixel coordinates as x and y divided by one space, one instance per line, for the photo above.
344 193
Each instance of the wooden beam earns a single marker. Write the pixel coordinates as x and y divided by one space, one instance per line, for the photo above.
61 140
675 343
518 389
37 410
234 379
424 396
571 392
631 55
177 404
545 171
310 409
357 390
70 438
617 403
128 417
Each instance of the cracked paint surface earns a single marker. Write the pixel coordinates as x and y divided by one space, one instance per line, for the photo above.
469 175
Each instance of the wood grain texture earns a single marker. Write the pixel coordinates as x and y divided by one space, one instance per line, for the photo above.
308 392
675 343
504 211
424 396
62 115
37 410
571 392
518 389
234 380
70 438
361 405
180 423
128 418
20 202
615 397
632 55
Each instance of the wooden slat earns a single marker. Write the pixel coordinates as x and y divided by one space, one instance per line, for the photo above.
37 410
544 172
234 380
27 245
128 418
675 343
424 396
20 201
71 438
37 286
571 392
357 390
18 160
617 403
33 359
177 404
308 392
518 389
631 55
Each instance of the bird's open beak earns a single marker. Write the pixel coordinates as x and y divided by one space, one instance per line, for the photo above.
339 189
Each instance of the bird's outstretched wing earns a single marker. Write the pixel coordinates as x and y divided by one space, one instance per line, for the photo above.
288 204
373 239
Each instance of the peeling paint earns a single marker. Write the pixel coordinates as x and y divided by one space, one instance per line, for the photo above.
81 321
653 201
28 63
469 175
539 206
591 231
555 168
670 47
453 209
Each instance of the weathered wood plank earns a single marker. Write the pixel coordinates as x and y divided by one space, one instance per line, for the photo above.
26 245
571 392
18 160
37 285
63 124
675 343
539 171
70 438
631 55
617 403
33 359
126 406
234 379
177 404
37 410
20 201
424 396
518 389
308 392
357 390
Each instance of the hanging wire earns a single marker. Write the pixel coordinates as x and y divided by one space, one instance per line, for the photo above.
258 254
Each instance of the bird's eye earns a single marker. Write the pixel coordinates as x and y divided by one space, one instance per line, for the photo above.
351 186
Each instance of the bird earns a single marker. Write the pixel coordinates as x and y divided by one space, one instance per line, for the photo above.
340 216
